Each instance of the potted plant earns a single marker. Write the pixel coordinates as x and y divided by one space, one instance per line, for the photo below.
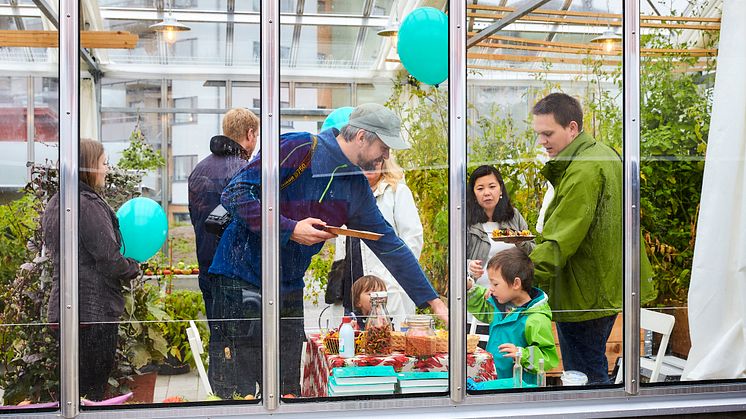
142 345
181 306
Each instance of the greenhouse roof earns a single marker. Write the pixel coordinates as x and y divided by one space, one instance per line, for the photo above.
328 40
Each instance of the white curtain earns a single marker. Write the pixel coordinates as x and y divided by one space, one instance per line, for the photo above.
88 110
717 294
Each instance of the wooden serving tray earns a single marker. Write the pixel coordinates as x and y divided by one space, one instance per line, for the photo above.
368 235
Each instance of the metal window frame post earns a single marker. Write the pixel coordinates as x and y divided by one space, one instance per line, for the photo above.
270 130
69 76
457 197
631 313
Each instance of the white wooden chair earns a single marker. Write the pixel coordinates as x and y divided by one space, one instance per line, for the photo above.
195 342
473 323
657 323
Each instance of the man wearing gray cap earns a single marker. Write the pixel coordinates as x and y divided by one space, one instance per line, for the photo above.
321 184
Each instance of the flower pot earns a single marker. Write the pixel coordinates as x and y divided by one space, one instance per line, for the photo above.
143 387
172 366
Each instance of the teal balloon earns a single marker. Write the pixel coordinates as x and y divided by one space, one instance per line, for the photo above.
338 118
144 228
423 45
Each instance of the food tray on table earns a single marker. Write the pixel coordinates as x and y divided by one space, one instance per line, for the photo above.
368 235
511 236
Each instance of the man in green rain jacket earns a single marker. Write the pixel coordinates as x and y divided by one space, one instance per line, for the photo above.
579 263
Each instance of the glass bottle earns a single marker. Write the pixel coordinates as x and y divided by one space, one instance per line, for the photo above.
541 376
378 327
517 370
420 337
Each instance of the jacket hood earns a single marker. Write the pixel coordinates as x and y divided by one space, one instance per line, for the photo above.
220 145
537 305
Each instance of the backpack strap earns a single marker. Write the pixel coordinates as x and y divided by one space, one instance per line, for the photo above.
303 165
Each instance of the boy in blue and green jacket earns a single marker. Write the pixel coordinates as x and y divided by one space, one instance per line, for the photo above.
518 314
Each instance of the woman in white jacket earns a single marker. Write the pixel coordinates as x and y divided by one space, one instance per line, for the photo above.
397 205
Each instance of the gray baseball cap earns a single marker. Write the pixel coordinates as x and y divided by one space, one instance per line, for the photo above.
380 120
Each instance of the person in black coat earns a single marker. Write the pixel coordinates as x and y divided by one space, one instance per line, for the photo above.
102 271
230 152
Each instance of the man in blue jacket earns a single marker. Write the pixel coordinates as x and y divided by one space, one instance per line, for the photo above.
229 153
321 184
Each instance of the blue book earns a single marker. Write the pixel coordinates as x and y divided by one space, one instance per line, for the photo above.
423 379
359 389
378 374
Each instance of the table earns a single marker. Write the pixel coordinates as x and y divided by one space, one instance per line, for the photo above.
318 365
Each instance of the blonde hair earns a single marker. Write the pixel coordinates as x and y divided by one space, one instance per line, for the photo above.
366 283
391 172
237 122
90 153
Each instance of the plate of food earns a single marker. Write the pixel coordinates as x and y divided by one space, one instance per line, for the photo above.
508 235
368 235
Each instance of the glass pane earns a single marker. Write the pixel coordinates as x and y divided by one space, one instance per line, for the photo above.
341 7
690 153
544 198
29 213
355 181
174 142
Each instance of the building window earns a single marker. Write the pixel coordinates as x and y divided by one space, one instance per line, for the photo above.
183 166
187 103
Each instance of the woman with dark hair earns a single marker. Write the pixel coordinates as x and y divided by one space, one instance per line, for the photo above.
102 271
488 207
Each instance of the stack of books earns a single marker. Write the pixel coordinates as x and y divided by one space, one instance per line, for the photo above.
361 381
423 382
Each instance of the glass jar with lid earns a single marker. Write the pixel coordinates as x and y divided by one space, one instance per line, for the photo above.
420 338
378 326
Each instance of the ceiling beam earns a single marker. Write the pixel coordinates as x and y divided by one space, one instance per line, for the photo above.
299 8
599 23
520 11
48 12
50 39
229 32
51 15
361 33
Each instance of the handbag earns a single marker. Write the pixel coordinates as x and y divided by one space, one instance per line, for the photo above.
338 273
219 217
343 274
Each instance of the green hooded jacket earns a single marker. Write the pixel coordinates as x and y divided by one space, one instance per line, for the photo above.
580 261
528 327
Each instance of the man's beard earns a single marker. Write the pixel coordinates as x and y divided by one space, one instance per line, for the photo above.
369 166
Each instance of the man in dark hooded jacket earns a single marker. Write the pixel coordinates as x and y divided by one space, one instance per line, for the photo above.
230 152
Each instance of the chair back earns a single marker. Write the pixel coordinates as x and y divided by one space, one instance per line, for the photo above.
657 323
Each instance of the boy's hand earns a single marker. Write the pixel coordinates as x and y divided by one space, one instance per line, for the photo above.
509 350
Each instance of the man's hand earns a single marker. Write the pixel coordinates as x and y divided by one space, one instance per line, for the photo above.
439 309
306 233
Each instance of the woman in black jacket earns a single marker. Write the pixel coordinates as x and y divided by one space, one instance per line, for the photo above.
102 271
